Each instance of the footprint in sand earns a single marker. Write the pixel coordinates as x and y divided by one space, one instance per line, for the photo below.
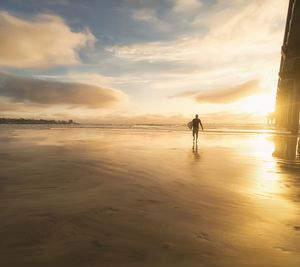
297 228
109 210
202 236
167 245
283 249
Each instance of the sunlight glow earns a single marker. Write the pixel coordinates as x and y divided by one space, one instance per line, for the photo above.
261 104
267 182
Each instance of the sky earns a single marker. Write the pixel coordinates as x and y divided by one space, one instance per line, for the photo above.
140 61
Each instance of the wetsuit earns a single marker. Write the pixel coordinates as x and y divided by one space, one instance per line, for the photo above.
196 123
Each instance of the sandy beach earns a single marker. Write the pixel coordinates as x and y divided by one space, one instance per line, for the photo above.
94 197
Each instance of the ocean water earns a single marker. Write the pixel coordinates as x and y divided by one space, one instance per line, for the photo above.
209 127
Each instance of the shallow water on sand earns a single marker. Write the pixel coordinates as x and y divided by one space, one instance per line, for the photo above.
95 197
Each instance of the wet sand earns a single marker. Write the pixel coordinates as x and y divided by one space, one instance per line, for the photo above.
92 197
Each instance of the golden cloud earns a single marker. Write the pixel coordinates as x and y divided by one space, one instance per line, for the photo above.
35 91
46 40
223 95
230 94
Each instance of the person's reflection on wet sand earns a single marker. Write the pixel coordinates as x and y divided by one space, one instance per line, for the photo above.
287 147
195 151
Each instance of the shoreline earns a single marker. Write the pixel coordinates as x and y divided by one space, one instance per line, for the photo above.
161 128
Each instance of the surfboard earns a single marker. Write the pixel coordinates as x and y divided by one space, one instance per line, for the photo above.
190 125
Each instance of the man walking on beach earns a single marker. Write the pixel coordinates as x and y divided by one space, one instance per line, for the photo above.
195 124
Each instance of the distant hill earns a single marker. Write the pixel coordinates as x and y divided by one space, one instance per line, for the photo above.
34 121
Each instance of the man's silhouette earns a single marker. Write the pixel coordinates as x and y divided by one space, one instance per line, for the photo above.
195 124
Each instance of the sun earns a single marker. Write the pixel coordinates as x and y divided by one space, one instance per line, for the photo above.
261 104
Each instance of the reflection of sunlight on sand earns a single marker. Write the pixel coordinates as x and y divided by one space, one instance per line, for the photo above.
268 184
267 180
271 211
263 147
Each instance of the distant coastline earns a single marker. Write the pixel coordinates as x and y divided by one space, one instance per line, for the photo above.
34 121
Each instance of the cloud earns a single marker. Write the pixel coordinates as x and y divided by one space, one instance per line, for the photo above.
49 93
7 106
228 42
231 94
144 15
184 94
91 78
147 15
43 41
223 95
231 35
186 5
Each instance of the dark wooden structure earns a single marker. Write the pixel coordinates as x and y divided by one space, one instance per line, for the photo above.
288 91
